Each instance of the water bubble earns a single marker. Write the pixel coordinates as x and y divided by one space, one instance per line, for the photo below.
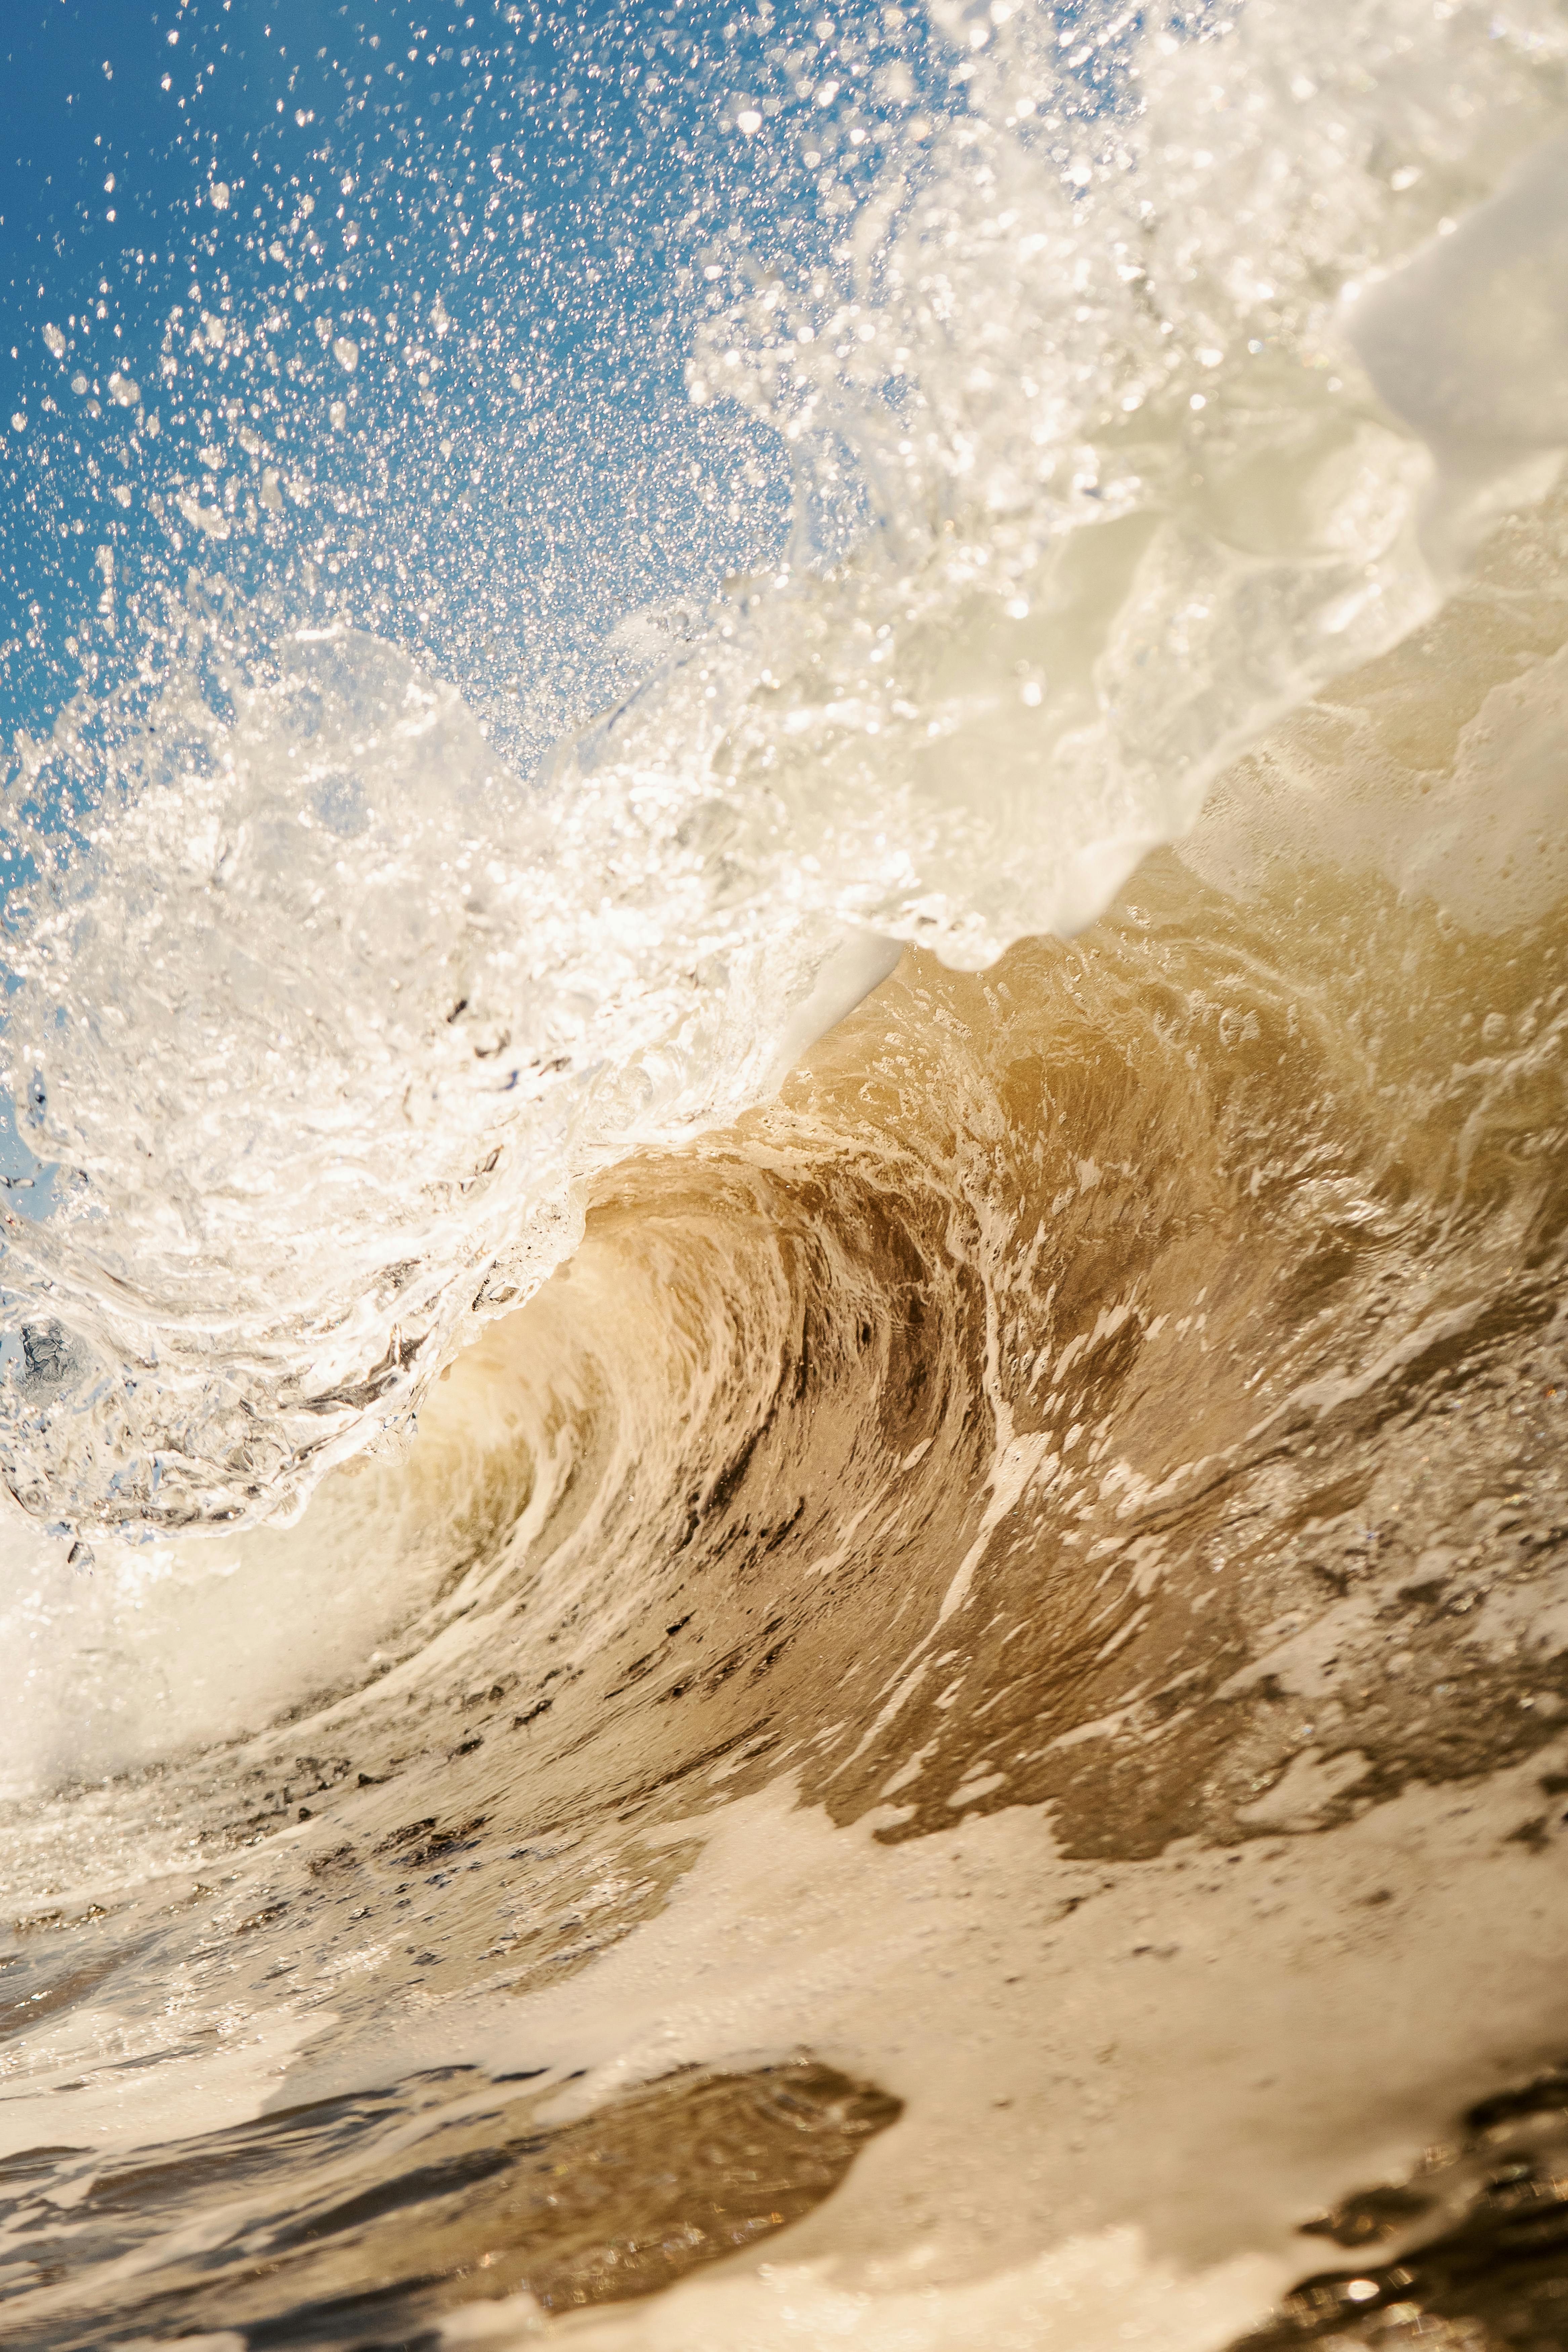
55 340
208 519
345 351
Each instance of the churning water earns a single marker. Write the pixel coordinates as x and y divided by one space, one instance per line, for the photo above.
784 1558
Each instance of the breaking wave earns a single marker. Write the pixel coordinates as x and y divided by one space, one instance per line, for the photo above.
734 1387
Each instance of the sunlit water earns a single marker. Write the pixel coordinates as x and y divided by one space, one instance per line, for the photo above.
787 1550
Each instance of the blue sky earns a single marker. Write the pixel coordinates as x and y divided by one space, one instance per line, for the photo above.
514 217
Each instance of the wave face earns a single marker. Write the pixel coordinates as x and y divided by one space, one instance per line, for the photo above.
783 1422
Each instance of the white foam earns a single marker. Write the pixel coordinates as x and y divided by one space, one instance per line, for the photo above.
1126 2083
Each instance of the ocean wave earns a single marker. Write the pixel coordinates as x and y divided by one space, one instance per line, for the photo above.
322 1015
810 1433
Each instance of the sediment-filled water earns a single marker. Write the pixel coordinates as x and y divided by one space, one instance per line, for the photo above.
783 1416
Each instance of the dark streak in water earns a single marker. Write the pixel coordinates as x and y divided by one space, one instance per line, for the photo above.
487 2200
1493 2278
